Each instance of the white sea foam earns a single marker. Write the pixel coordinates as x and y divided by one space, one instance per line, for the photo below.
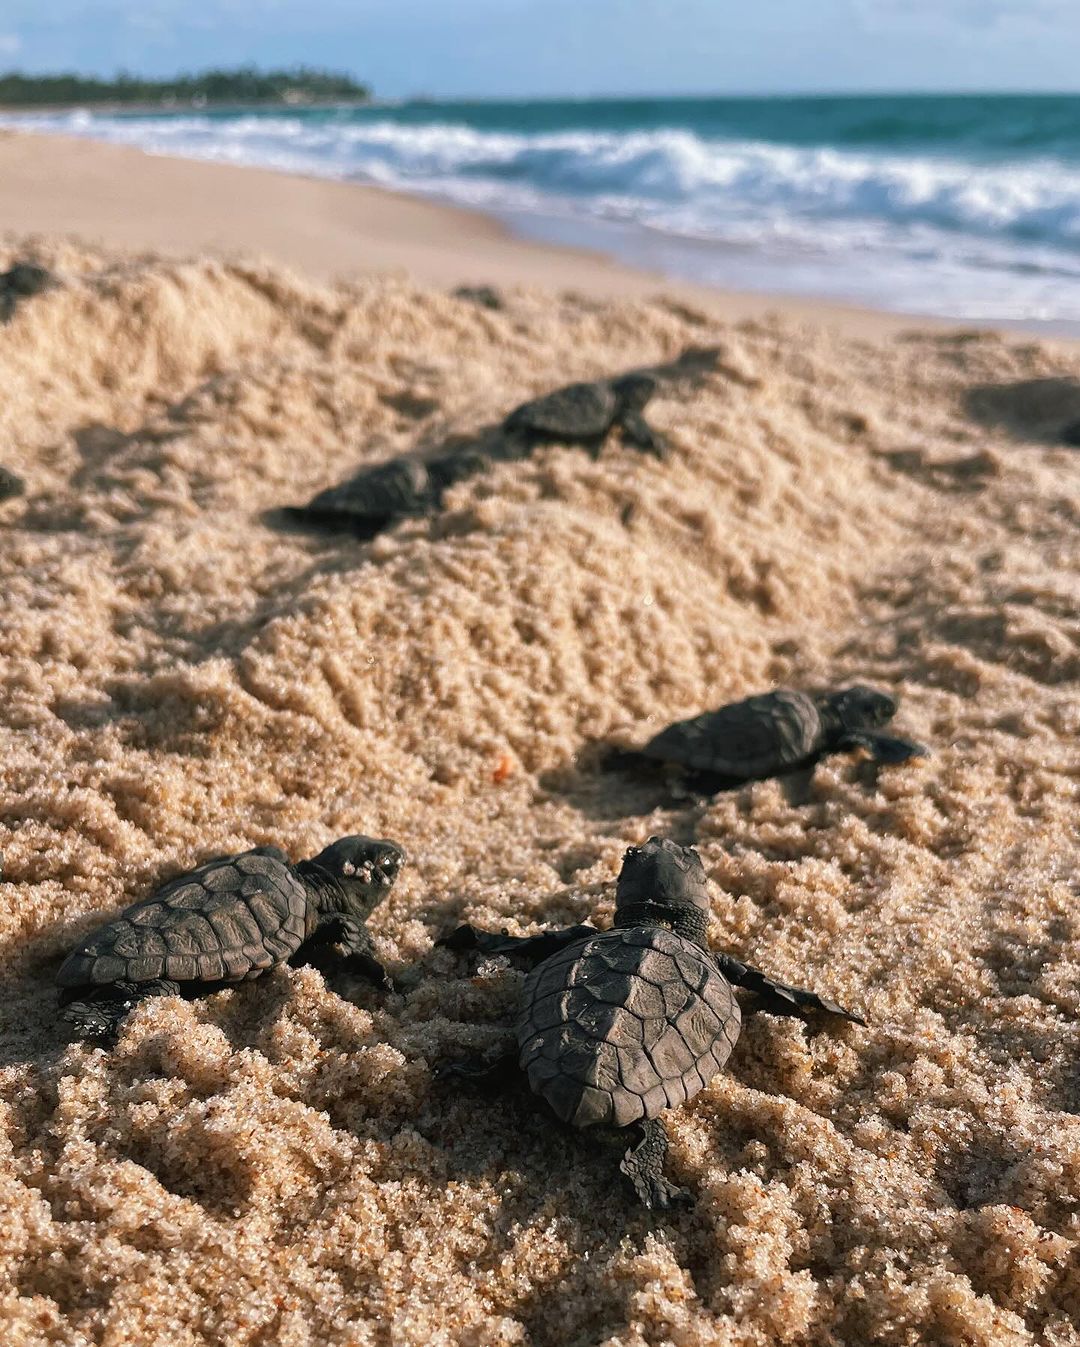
1002 222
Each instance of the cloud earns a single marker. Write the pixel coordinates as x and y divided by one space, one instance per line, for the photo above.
10 44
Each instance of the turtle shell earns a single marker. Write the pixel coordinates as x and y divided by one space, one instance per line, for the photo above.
401 487
226 921
575 412
752 738
624 1024
20 282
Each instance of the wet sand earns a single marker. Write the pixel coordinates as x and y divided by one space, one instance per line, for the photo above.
275 1164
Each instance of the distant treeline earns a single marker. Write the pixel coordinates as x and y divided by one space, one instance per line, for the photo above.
246 84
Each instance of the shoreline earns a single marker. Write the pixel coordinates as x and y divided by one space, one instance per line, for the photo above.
123 197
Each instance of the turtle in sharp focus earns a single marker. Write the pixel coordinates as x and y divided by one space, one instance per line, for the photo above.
616 1026
776 732
228 921
584 413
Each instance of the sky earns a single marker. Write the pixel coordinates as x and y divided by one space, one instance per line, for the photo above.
570 47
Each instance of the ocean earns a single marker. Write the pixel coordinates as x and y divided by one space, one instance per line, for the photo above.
961 207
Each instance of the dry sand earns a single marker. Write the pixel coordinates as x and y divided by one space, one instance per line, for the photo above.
274 1164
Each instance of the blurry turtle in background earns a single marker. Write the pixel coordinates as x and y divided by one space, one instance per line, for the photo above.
585 413
20 282
581 413
229 921
615 1026
385 494
773 733
484 296
10 485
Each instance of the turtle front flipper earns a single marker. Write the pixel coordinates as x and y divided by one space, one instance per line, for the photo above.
481 1072
637 431
344 945
885 748
530 949
96 1013
643 1165
780 998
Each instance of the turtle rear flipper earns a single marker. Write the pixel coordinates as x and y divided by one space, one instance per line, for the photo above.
616 758
481 1073
643 1165
95 1013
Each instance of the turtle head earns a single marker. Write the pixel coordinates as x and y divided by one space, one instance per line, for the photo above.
860 708
663 884
634 390
360 869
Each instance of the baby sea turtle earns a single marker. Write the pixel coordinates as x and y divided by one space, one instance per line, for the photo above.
776 732
10 484
20 282
484 296
584 413
380 496
616 1026
229 921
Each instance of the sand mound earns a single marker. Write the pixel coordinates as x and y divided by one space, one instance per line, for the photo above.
274 1164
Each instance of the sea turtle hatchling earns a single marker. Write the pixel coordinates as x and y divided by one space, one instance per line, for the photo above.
776 732
385 494
11 485
584 413
21 281
414 485
616 1026
228 921
407 487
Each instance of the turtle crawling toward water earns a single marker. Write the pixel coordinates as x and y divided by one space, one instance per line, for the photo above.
414 485
10 484
409 487
776 732
21 281
229 921
385 494
616 1026
584 413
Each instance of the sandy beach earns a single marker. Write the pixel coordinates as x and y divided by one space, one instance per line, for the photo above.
119 197
847 498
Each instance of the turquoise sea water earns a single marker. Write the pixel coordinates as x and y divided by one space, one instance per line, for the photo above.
968 207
